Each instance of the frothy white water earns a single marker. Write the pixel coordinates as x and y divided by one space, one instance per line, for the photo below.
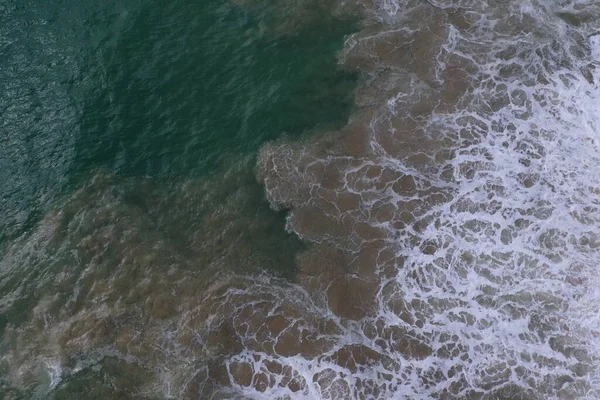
54 373
515 274
500 278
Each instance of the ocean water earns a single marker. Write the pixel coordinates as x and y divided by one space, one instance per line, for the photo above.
129 132
395 199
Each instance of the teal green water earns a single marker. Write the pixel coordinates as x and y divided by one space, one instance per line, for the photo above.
128 130
150 89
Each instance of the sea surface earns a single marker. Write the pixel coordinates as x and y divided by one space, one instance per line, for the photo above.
311 199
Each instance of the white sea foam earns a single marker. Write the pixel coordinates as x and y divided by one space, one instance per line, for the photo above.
511 286
54 370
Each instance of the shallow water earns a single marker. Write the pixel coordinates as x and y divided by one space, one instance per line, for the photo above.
443 243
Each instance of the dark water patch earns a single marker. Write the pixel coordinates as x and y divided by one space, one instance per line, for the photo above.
41 91
189 81
280 18
150 89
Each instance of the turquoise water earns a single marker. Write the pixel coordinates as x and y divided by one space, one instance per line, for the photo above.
133 128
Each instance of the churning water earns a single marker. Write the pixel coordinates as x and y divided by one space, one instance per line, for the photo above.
443 243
